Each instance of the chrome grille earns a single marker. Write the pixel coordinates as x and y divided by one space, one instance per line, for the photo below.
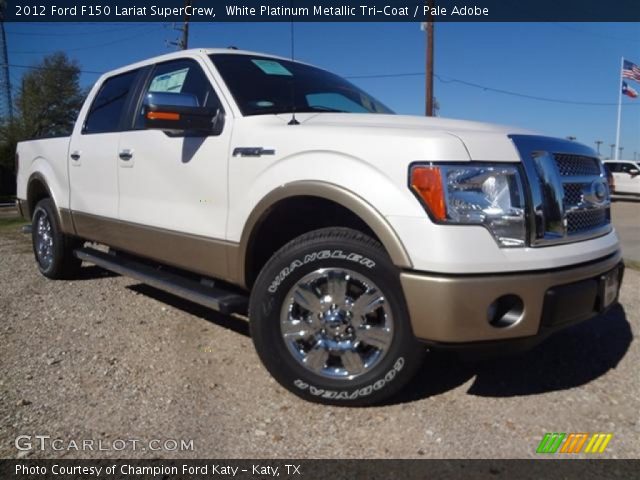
576 165
582 220
573 193
569 193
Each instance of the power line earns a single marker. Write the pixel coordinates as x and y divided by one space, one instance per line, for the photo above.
411 74
33 67
118 40
595 34
483 87
74 34
524 95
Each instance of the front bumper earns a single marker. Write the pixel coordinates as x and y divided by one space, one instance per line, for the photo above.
458 309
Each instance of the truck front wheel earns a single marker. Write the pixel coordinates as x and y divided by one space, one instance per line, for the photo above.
329 321
52 248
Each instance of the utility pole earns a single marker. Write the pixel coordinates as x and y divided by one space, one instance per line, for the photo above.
620 150
183 42
6 105
613 145
429 110
598 143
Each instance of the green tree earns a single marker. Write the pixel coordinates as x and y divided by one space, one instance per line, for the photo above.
46 104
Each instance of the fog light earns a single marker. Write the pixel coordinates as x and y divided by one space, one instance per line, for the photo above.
505 311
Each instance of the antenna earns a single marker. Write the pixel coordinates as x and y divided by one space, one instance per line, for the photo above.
293 120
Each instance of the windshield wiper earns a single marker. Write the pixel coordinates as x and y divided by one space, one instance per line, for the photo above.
307 108
320 108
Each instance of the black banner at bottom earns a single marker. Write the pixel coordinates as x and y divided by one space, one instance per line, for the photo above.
317 469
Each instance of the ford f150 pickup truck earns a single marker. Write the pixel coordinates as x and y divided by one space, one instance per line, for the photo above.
350 236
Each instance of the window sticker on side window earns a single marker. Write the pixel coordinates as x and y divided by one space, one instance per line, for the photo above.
169 82
271 67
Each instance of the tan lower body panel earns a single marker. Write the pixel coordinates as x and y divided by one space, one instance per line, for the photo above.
64 216
66 221
195 253
454 309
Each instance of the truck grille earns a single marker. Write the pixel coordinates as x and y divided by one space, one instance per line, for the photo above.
583 220
573 193
570 196
576 165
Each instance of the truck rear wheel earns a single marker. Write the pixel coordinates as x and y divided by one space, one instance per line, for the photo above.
52 248
329 321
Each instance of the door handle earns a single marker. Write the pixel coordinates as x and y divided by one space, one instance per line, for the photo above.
126 155
75 156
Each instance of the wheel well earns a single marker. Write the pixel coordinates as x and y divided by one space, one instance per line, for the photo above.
36 191
290 218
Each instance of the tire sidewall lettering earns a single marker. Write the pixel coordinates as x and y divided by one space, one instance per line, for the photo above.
315 256
358 393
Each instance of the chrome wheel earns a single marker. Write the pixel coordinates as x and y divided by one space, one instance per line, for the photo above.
336 323
43 239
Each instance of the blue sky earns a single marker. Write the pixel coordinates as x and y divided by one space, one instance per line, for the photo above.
577 62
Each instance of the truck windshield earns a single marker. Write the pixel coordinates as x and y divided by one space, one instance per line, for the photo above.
263 85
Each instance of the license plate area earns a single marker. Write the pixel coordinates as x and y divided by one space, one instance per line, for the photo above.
609 287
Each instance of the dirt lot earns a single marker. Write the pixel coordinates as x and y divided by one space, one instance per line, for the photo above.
105 358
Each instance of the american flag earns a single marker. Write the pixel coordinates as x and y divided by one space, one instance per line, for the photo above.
631 70
628 91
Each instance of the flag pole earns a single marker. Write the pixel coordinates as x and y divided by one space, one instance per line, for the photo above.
617 152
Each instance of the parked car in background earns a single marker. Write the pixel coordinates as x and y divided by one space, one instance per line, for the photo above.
626 176
610 180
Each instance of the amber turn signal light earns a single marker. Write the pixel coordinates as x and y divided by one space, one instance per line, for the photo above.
163 116
427 183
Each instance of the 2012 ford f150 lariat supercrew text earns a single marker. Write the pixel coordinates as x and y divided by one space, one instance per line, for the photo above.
350 236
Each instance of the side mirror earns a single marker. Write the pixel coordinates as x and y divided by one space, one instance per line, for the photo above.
633 172
178 114
205 120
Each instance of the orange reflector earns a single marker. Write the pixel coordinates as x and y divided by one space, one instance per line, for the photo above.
163 116
427 182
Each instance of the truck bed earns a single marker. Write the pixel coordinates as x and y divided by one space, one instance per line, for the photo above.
49 156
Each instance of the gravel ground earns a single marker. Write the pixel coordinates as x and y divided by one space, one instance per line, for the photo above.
108 359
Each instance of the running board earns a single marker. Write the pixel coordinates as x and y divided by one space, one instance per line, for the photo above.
224 301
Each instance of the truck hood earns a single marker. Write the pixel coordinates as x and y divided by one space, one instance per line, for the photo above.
482 141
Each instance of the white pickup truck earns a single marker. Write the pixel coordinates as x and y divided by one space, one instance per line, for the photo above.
626 176
351 237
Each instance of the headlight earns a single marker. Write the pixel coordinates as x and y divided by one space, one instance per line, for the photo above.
488 195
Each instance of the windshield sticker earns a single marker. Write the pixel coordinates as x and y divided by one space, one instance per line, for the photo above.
271 67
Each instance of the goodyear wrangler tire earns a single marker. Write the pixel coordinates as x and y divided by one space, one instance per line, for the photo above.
329 321
52 248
